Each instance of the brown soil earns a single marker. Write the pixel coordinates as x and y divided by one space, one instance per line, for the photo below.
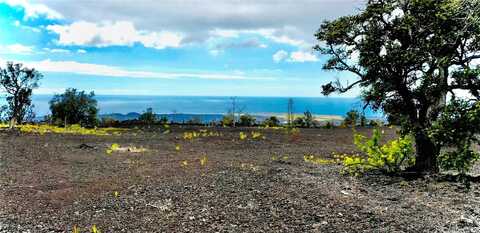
50 183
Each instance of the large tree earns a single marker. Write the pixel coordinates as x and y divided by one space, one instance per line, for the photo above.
74 107
408 55
18 82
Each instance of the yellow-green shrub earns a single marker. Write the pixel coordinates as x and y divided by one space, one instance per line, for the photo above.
391 157
71 129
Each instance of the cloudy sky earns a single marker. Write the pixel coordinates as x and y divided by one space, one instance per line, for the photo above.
172 47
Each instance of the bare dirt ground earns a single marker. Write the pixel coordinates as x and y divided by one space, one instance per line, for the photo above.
50 183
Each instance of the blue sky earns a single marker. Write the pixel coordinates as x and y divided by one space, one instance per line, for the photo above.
208 48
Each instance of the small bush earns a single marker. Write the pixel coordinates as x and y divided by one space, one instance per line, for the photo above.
329 125
227 120
305 121
247 120
457 130
163 120
351 118
271 122
109 122
148 117
392 157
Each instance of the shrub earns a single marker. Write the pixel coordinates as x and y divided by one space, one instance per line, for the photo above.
163 120
271 122
363 120
329 125
392 157
305 121
456 129
108 122
74 107
351 118
148 117
227 120
247 120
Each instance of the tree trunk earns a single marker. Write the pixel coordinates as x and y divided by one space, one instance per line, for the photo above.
427 153
13 122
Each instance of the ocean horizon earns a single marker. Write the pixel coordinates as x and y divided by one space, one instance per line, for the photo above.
216 105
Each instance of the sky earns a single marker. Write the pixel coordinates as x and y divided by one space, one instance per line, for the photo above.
172 47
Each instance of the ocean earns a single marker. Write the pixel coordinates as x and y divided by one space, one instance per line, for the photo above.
216 106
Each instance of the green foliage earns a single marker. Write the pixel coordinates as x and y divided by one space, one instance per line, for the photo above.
148 117
329 125
108 122
351 119
305 121
456 130
163 120
227 120
74 107
391 157
18 83
407 55
247 120
271 122
363 120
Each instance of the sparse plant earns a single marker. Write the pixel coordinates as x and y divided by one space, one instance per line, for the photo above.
227 120
94 229
243 136
203 160
247 120
317 160
328 125
391 157
257 135
271 122
148 117
351 118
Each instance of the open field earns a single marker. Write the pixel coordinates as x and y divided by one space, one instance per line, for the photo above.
214 183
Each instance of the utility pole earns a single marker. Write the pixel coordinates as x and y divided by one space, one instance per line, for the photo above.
290 112
234 99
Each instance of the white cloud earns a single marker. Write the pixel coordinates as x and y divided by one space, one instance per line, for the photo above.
302 56
33 10
280 56
195 19
276 35
16 49
104 34
81 51
297 56
113 71
56 50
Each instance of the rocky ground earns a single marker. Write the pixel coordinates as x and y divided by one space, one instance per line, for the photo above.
219 183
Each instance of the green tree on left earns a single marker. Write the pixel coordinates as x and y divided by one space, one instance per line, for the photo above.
18 83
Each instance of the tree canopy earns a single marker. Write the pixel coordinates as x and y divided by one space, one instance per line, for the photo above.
74 107
18 82
408 55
